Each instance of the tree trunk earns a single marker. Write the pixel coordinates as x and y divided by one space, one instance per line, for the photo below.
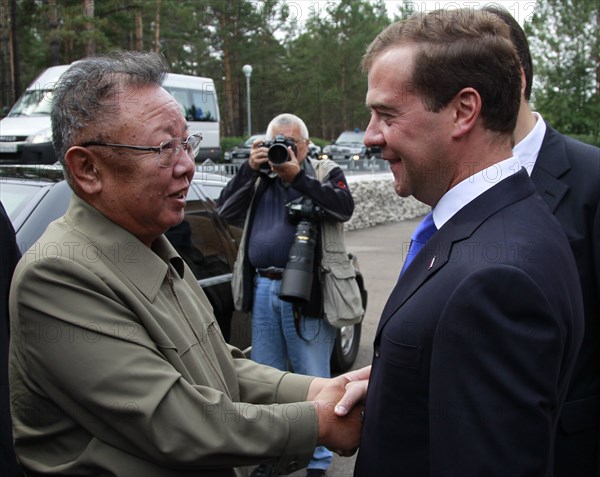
14 49
229 90
139 30
597 51
7 99
53 33
157 28
90 42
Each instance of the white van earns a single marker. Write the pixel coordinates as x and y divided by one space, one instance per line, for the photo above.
26 137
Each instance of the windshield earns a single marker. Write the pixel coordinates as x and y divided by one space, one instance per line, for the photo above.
15 197
350 137
251 140
34 102
196 105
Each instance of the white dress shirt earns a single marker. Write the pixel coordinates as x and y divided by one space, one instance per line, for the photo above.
471 188
527 150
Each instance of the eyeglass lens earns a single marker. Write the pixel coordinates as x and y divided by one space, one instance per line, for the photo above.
170 148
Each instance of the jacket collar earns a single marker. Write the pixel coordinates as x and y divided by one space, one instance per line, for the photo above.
145 268
436 252
551 164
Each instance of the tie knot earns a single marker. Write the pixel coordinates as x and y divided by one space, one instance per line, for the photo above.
425 229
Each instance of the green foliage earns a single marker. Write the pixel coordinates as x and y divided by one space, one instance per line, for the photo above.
565 39
306 62
231 141
327 87
320 142
587 138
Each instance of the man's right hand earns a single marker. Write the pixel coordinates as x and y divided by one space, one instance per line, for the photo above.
341 434
258 155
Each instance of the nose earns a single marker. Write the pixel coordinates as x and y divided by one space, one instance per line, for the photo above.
373 134
185 163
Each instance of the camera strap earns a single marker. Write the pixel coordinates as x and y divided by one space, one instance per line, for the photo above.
298 320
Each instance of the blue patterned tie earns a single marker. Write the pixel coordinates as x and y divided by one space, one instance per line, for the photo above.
420 236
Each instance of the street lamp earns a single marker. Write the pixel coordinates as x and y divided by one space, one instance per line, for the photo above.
247 69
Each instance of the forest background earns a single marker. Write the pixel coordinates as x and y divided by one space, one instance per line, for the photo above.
305 55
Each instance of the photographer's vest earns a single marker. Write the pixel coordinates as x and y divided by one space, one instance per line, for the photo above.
342 301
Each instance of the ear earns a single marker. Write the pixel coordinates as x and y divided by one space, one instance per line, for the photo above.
523 83
467 107
83 165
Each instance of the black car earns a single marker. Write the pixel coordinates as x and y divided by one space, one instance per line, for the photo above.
241 152
34 196
349 150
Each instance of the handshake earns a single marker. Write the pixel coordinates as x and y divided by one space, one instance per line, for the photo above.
340 410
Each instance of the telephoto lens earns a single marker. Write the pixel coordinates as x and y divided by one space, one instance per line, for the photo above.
297 278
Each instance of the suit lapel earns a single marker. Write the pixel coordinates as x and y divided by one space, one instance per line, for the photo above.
552 162
436 252
432 257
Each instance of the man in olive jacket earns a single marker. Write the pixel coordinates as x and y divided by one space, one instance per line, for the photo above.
117 365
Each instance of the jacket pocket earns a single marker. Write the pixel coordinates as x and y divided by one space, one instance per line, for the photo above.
579 415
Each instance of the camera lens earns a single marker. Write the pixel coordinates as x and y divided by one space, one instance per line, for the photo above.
298 275
278 154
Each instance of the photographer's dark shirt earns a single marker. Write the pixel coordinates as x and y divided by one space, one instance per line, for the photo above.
272 234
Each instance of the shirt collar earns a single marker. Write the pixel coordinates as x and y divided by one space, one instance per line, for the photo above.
527 150
471 188
144 267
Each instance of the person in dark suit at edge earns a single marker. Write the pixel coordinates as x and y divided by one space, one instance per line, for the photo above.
566 174
478 340
9 256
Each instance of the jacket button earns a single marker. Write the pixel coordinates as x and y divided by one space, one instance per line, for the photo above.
377 352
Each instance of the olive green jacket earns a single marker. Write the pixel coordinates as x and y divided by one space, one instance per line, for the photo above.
117 366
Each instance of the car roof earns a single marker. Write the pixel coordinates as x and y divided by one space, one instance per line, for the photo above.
42 173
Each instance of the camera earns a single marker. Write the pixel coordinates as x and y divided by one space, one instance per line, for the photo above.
278 149
297 278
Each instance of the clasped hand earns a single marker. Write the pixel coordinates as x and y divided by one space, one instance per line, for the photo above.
339 405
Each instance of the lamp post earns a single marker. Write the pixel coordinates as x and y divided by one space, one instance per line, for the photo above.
247 69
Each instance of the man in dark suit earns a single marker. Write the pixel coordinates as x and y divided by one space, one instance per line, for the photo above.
566 174
9 256
478 340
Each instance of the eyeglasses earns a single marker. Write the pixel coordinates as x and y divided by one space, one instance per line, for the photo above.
167 150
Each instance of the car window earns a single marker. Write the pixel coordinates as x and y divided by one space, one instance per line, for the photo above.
351 137
36 102
203 239
15 197
251 140
195 105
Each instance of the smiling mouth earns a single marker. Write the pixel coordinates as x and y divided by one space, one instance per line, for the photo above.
182 194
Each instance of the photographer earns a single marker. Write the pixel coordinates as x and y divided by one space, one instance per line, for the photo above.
285 333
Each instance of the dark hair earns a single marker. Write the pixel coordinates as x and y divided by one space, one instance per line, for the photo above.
517 36
88 95
457 49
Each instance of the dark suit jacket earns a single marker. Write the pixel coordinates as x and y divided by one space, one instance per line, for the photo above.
567 177
476 346
9 256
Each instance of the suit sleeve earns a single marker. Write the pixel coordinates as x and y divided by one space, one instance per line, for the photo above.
498 356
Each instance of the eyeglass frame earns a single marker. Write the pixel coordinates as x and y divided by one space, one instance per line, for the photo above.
159 148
